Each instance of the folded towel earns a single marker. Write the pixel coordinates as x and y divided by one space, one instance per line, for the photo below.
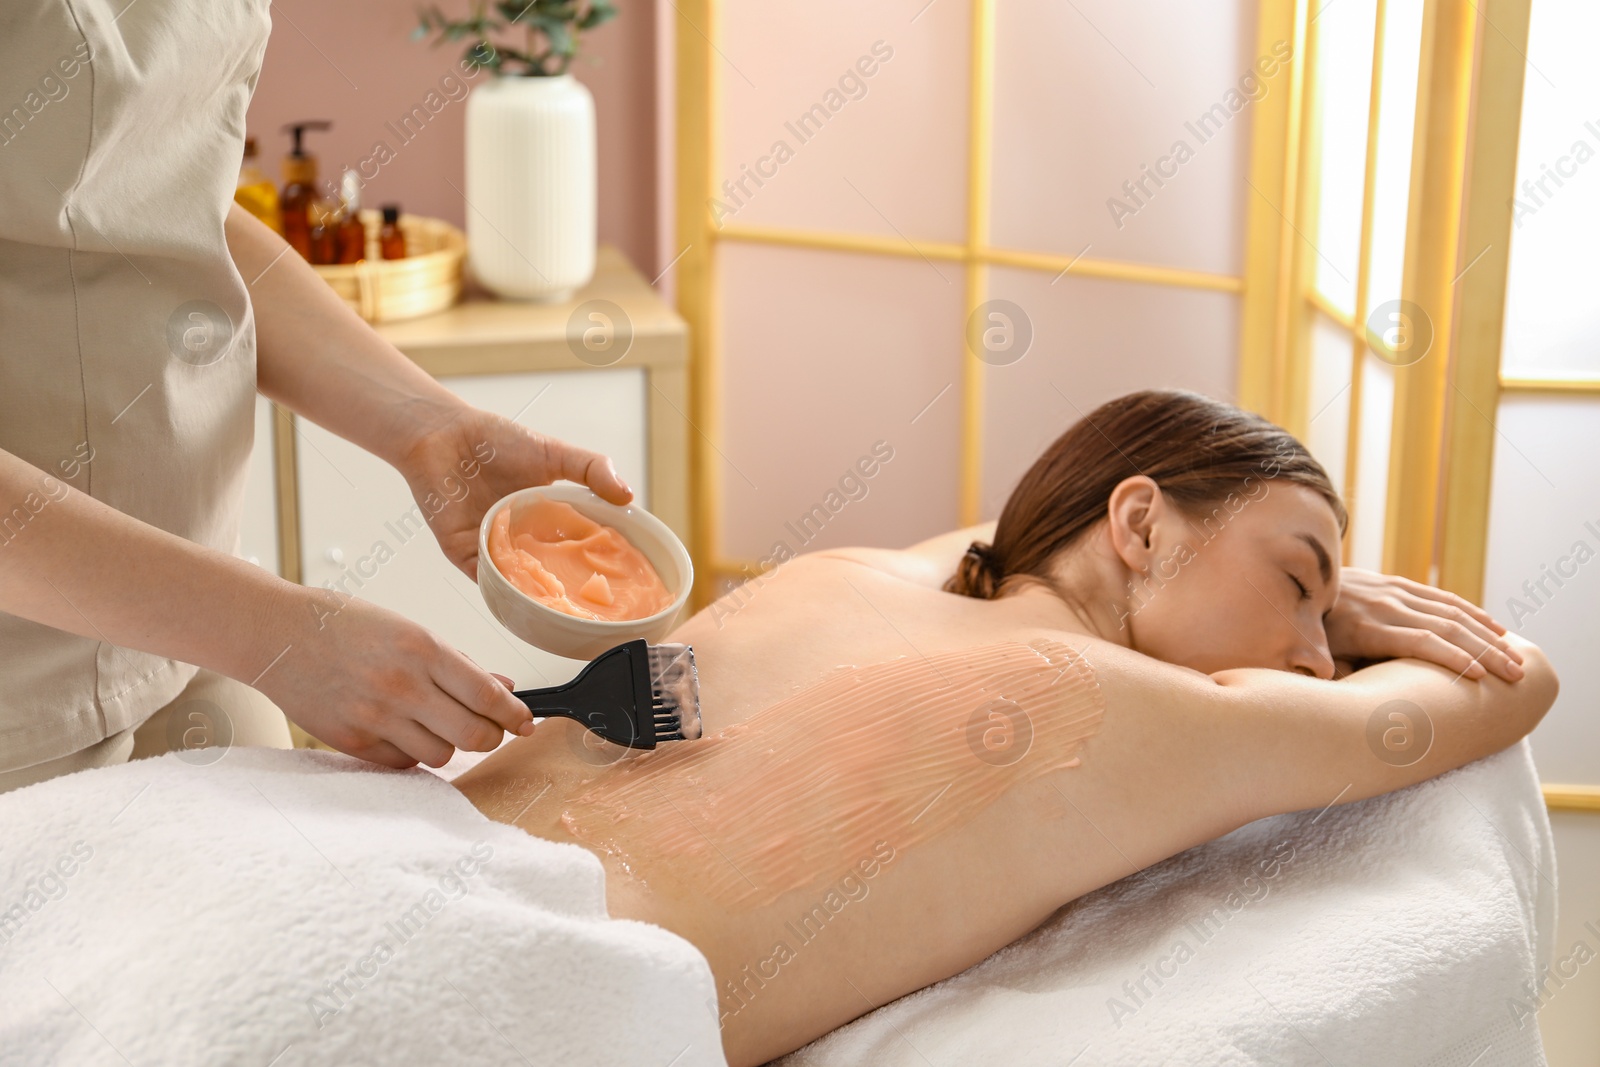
1405 929
286 908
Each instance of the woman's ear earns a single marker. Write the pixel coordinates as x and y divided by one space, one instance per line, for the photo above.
1136 505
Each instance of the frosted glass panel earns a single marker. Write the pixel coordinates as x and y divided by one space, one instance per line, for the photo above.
1329 428
1091 341
844 116
1552 316
1397 105
1372 468
1089 94
1542 578
826 354
1344 86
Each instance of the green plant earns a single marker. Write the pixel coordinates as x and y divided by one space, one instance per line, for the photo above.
551 27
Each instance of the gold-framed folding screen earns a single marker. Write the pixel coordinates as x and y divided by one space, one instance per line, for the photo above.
1330 251
873 203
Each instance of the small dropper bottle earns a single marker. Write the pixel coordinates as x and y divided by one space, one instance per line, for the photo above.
391 241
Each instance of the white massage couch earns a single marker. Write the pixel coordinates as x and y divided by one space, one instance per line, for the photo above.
277 909
1404 932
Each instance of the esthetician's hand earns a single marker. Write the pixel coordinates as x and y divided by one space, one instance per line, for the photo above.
476 458
378 686
1382 616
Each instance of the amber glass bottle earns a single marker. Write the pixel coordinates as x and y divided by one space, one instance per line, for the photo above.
299 188
390 240
322 231
352 234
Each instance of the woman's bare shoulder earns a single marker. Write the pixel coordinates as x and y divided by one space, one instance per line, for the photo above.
897 563
1132 673
928 563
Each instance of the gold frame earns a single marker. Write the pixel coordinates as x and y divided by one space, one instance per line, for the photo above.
1275 159
1486 228
1572 797
1432 253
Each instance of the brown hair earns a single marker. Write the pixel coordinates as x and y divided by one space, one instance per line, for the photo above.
1198 450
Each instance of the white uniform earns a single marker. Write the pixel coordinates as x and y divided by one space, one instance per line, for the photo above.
127 342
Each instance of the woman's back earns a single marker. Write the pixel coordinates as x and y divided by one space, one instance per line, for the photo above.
1084 762
985 827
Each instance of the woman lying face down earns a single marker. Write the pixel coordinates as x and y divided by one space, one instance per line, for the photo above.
1209 538
911 758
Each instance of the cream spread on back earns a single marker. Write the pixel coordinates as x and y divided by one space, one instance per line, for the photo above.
897 751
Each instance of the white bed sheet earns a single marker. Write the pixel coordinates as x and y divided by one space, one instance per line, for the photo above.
1401 930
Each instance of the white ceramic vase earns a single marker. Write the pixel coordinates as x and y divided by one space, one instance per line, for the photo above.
531 186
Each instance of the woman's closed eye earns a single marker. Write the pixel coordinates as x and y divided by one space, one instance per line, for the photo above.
1305 593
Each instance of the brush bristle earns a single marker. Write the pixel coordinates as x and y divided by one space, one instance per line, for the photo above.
674 692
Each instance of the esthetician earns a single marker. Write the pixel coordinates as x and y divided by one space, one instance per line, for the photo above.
140 312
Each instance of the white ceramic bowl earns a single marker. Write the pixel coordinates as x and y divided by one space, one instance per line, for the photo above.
568 635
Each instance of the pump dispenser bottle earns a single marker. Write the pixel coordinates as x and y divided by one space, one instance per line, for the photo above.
299 187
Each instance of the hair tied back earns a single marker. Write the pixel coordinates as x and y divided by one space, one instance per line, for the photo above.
978 574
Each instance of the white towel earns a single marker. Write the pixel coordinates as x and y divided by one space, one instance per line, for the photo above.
1402 930
289 908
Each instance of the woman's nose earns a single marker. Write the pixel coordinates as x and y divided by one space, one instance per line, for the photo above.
1312 656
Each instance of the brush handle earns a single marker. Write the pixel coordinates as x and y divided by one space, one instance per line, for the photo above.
553 699
610 696
546 702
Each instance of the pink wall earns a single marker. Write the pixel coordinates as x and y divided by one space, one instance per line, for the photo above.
353 62
827 353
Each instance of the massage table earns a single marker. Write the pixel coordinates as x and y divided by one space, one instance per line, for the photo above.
284 908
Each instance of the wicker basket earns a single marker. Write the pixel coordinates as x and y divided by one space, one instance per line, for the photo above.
427 280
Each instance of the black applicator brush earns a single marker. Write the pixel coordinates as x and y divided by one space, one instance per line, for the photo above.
636 694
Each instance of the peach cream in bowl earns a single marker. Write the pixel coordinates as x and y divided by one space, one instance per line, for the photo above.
574 575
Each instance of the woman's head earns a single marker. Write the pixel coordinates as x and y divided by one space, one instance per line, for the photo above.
1212 533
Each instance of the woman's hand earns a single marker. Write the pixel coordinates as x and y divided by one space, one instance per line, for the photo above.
375 685
1381 616
456 472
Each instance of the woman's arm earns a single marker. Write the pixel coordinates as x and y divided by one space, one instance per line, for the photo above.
364 680
1380 616
1302 742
